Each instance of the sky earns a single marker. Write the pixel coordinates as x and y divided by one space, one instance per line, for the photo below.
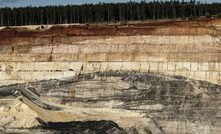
23 3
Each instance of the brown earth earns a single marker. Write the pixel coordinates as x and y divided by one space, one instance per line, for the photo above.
10 35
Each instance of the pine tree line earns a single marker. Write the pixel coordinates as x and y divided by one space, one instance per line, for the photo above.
107 12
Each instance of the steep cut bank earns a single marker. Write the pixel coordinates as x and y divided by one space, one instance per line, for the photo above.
156 77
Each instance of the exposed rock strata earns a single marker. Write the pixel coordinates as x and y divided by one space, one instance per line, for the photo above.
53 114
168 71
175 100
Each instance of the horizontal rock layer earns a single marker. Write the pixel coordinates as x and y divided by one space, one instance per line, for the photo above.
190 56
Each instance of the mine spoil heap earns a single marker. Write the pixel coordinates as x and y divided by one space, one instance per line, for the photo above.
142 77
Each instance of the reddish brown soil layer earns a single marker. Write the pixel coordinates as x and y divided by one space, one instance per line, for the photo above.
199 27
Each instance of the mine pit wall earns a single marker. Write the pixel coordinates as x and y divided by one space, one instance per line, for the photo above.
197 57
191 51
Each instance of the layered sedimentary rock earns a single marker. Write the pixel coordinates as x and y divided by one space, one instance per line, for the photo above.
168 72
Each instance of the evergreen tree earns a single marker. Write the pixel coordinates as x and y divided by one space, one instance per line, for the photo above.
108 12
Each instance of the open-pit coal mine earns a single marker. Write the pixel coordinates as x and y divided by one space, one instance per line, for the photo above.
160 77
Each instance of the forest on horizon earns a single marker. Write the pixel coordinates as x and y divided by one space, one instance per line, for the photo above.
108 12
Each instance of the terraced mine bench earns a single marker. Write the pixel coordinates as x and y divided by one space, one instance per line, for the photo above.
164 74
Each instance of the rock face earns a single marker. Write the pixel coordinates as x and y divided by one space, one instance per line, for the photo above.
156 77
